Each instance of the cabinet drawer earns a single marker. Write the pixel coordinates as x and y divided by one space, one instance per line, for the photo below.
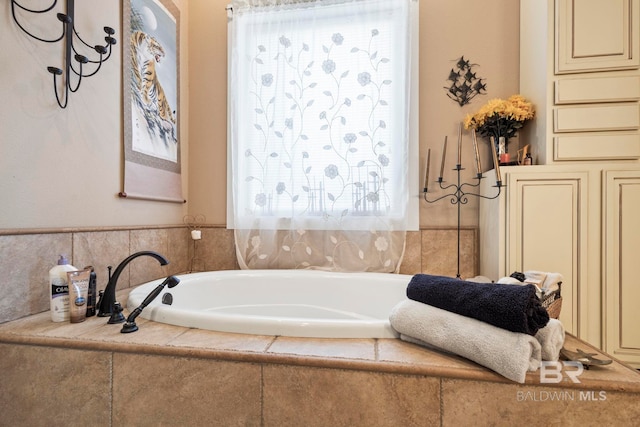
597 147
600 89
597 118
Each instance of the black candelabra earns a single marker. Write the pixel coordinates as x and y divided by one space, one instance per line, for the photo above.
460 192
69 34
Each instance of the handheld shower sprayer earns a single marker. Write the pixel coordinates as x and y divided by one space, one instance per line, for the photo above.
130 324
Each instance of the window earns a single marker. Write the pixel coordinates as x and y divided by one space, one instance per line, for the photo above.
323 108
323 133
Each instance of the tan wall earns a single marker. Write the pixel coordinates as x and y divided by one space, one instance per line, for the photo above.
53 157
485 32
63 168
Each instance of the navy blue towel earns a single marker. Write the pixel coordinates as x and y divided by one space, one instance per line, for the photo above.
512 307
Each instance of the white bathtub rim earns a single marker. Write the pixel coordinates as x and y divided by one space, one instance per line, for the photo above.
362 327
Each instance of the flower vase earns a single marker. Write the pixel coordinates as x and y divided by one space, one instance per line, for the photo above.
503 150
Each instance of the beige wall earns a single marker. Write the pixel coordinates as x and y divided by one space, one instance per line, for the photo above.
62 168
486 32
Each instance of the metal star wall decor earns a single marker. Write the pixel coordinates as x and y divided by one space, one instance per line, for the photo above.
464 84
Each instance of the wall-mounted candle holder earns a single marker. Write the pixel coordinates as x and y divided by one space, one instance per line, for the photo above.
69 34
460 192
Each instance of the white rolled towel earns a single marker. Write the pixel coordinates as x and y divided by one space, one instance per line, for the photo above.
548 282
551 339
510 281
510 354
552 282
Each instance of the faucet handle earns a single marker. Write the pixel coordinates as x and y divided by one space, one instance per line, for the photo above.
116 314
100 294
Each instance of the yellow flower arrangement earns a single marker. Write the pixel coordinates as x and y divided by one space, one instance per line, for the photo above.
500 117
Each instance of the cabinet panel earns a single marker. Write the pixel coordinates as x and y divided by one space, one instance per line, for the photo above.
605 17
547 231
594 35
550 218
620 253
597 117
629 288
597 147
599 89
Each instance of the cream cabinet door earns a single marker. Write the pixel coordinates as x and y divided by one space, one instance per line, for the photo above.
621 255
547 231
596 35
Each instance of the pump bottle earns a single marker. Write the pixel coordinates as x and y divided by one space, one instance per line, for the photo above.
59 290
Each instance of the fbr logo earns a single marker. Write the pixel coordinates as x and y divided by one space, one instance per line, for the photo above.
552 372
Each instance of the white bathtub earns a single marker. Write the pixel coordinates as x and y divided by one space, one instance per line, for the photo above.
297 303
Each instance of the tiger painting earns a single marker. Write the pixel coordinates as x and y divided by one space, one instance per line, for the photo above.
146 52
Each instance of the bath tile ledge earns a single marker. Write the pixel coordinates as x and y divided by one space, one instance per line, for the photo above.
377 355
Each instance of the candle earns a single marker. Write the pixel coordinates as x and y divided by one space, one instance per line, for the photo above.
495 161
426 173
460 144
475 150
444 153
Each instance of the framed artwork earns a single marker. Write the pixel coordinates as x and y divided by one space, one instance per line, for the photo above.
151 98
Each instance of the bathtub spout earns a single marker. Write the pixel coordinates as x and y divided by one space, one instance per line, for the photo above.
109 295
130 324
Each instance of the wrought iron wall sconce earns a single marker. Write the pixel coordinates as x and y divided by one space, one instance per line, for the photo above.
69 34
459 193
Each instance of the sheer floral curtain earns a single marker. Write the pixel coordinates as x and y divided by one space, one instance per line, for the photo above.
323 156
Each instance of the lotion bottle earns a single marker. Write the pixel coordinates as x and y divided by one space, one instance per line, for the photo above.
59 290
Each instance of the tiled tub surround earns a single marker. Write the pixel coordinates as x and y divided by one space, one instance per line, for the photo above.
27 255
91 374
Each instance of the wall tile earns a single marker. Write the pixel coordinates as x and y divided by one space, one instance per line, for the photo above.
296 396
469 262
411 262
216 250
440 252
101 249
172 391
25 261
145 269
54 387
178 250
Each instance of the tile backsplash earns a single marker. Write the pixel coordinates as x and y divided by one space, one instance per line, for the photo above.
26 257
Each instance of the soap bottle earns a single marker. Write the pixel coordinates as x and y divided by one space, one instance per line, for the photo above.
59 290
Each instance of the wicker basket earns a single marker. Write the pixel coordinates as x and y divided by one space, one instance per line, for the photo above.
553 302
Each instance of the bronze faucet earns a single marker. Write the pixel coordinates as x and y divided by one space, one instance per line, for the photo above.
108 297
